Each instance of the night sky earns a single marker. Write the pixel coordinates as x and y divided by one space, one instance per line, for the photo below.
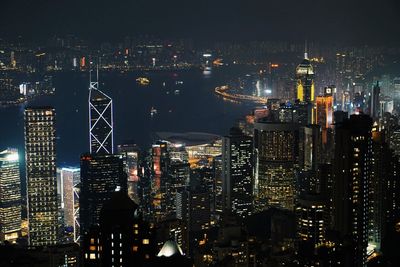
355 21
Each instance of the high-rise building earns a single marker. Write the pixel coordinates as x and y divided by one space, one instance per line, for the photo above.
237 173
310 154
374 101
10 195
131 161
276 153
218 207
101 132
40 160
101 176
305 81
324 114
311 218
352 176
69 178
122 238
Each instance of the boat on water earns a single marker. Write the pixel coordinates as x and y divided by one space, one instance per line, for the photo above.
153 111
143 81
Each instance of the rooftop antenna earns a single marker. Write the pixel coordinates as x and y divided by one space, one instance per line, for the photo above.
305 50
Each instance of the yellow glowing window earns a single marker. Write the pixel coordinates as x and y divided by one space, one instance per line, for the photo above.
92 256
135 248
91 241
92 248
145 242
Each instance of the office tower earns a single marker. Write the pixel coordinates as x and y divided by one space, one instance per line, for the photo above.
199 213
374 104
276 153
237 173
310 156
170 170
352 175
101 134
159 162
305 81
324 113
218 207
177 177
69 178
193 208
310 147
10 195
40 160
122 238
380 179
101 175
311 219
131 154
126 240
312 222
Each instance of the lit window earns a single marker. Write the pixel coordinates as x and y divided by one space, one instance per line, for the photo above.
145 242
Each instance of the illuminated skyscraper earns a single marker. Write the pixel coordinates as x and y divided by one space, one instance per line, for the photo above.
101 175
305 81
40 160
324 114
218 206
275 152
100 120
352 176
131 162
70 177
10 196
237 173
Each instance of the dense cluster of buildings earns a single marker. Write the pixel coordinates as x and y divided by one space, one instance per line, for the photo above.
310 179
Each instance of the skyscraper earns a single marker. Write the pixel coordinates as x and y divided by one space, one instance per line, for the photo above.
352 174
40 160
131 162
275 152
237 173
10 196
374 104
324 114
101 175
305 81
70 177
100 120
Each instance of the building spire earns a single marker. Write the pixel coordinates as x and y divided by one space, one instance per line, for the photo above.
305 50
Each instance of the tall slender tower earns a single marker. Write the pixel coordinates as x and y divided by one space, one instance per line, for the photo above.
305 80
237 173
40 159
10 196
352 179
101 135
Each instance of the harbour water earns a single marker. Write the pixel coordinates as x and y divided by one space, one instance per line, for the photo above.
184 102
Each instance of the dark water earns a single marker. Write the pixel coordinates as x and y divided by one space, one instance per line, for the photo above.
195 108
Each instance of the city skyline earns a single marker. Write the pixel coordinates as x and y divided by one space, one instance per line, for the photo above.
202 134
